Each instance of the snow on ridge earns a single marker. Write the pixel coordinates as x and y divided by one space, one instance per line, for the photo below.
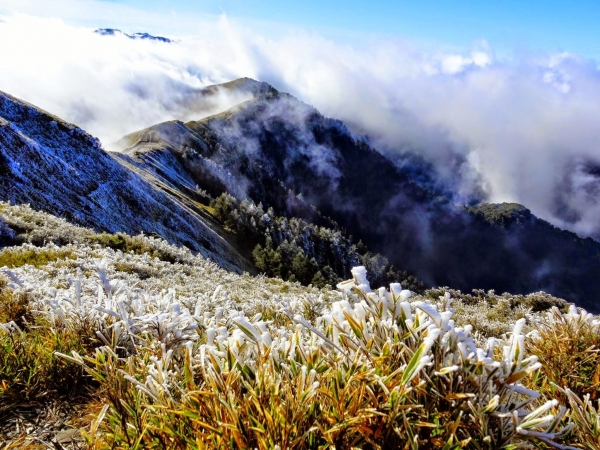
56 167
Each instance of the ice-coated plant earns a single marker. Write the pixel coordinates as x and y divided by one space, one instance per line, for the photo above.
568 346
186 354
195 356
372 370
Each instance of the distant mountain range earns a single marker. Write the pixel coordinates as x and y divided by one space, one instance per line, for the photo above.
144 36
274 149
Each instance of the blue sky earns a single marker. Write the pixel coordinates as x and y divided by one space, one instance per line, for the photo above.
508 26
537 25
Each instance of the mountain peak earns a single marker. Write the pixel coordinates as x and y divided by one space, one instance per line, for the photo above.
245 85
143 36
502 214
279 152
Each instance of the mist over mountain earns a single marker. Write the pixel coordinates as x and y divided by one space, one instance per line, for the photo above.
518 128
281 153
276 150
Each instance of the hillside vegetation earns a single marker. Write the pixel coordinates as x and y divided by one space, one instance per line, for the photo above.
145 345
276 151
293 249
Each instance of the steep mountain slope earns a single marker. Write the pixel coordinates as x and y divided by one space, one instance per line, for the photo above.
57 167
276 150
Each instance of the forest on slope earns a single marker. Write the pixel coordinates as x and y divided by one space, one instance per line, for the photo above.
277 151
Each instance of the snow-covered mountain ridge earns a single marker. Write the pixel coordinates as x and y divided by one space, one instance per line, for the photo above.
57 167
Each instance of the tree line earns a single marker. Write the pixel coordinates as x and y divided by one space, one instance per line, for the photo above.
295 250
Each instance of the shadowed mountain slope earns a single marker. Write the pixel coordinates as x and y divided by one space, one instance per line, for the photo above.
274 149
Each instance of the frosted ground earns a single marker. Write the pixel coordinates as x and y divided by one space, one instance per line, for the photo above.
194 280
175 326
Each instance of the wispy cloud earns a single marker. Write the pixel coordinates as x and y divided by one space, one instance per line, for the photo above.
524 129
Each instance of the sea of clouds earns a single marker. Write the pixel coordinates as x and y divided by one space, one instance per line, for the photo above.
524 128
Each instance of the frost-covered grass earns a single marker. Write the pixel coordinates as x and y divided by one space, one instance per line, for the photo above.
568 346
21 224
182 354
493 315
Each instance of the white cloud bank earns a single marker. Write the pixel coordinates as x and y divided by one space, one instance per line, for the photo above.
528 128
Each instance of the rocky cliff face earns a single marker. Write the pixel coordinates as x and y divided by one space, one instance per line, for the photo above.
59 168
